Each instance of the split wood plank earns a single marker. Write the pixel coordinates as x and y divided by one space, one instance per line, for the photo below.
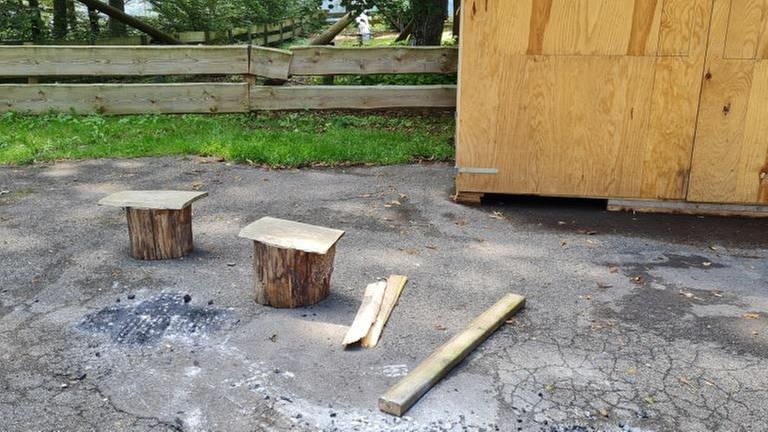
38 60
351 97
366 315
319 60
395 285
400 397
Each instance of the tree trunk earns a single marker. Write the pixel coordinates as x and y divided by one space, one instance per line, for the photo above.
71 16
160 234
407 30
59 19
93 21
290 278
327 36
131 21
116 27
456 18
36 27
429 16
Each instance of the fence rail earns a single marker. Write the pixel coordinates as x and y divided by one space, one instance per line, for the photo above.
250 61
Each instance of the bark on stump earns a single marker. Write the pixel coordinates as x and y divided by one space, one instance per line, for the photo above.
290 278
157 234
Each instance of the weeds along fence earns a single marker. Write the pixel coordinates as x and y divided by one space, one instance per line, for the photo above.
248 62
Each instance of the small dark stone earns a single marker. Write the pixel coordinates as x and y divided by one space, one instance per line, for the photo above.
131 296
286 399
541 395
333 414
98 354
178 422
519 420
196 363
266 397
118 300
210 302
187 298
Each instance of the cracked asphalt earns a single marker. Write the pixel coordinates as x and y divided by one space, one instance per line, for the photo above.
633 322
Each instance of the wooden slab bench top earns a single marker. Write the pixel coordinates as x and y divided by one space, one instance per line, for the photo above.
287 234
153 199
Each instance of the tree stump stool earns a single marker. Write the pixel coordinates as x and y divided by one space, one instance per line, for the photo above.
159 222
292 261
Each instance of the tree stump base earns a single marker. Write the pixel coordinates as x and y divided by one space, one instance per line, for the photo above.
159 222
160 234
290 278
292 261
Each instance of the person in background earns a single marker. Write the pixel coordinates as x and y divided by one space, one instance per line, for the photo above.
364 25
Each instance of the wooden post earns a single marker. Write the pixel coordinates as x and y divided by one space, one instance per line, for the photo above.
160 234
292 261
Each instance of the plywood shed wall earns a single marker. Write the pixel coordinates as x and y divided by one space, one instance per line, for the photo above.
638 99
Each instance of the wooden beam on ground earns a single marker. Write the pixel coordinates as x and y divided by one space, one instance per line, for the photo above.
688 208
400 397
352 97
136 23
319 60
125 98
327 36
40 60
270 62
366 315
395 285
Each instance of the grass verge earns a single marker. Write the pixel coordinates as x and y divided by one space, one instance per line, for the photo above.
273 139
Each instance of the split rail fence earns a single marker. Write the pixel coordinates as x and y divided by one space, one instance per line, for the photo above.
33 62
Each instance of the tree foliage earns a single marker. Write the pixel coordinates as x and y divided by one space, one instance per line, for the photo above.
191 15
16 20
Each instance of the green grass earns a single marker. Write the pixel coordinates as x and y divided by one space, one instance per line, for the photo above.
277 140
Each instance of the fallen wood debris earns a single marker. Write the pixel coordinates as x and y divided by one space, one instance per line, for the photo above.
366 315
395 285
378 302
400 397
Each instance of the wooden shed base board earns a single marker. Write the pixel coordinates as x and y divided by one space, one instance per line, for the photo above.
682 207
469 198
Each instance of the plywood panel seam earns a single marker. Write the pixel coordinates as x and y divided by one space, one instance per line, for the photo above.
705 77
